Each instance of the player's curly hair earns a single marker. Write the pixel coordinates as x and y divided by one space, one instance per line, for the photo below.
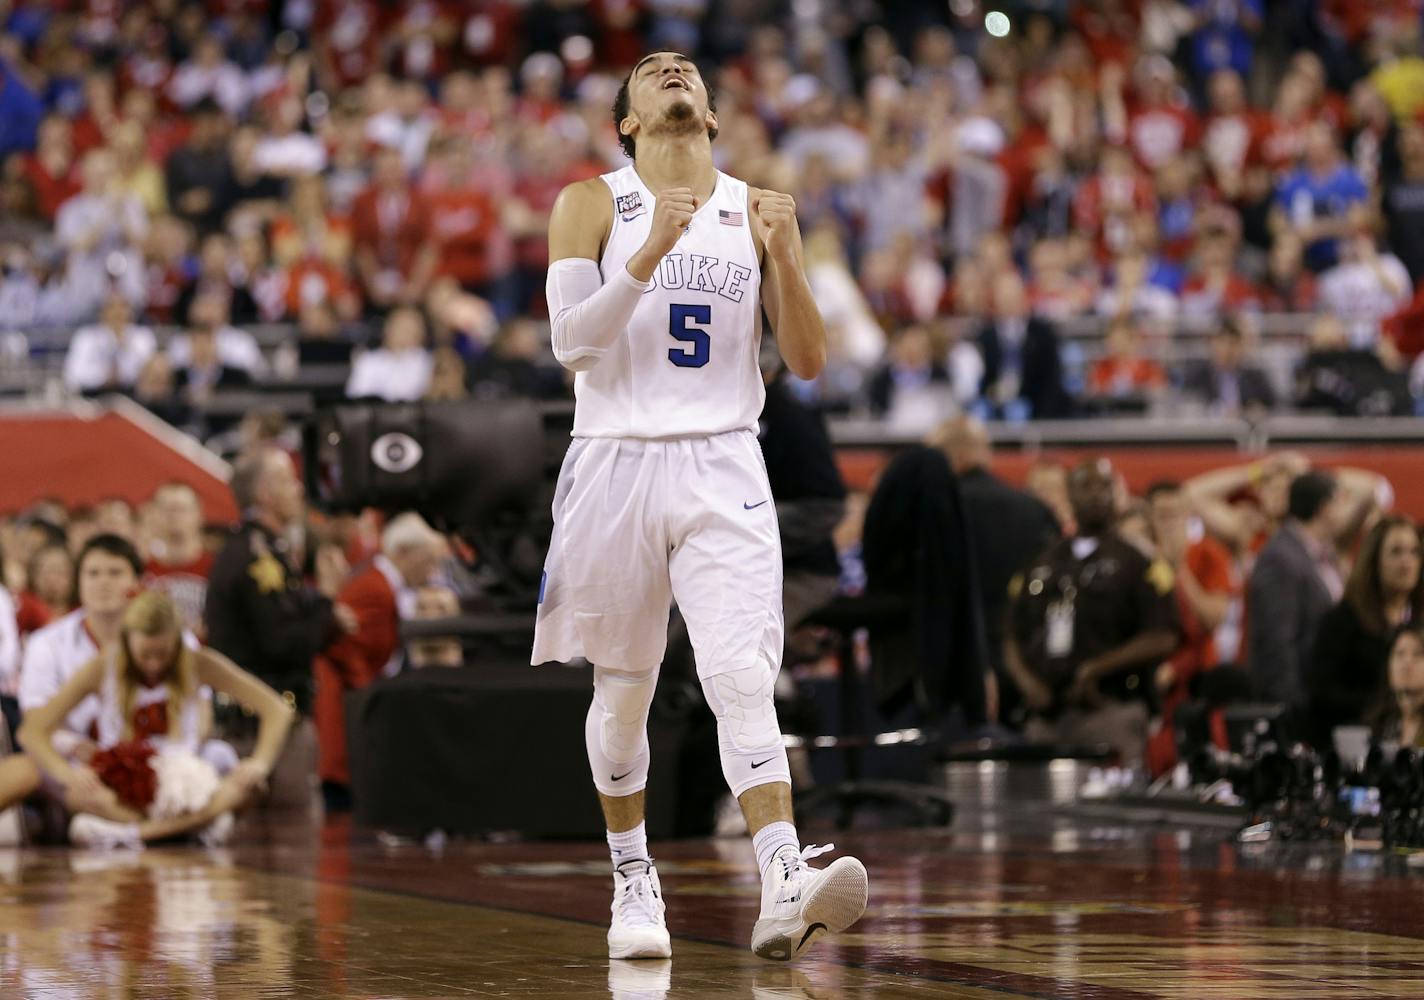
622 104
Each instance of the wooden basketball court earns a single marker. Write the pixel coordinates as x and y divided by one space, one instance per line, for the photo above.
1021 906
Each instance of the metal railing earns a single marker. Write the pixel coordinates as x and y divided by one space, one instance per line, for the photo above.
34 378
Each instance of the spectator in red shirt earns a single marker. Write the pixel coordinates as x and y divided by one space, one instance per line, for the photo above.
50 590
347 35
1233 133
465 233
312 245
178 564
1158 123
1206 585
620 42
52 169
1282 139
1106 202
167 258
1124 372
1216 286
462 105
490 34
548 167
395 258
96 125
1404 331
423 34
381 595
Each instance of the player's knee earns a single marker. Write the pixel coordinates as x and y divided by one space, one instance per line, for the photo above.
622 699
748 734
743 702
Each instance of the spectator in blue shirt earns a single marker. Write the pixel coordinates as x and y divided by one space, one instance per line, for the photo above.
1321 199
20 113
1224 35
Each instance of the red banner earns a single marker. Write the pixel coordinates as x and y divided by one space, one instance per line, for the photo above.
81 459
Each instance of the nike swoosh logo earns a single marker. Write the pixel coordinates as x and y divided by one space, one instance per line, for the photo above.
752 506
761 762
620 777
809 931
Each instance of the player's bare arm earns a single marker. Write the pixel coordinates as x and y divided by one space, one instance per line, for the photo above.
580 220
785 292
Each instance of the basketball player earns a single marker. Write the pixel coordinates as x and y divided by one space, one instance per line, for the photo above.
658 276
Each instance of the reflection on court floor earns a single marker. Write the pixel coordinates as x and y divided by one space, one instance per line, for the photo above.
323 912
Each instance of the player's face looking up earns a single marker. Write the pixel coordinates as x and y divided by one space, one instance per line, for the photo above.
667 96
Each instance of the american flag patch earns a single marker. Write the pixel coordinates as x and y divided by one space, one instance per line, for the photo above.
729 218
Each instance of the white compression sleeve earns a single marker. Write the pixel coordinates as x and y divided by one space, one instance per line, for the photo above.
586 314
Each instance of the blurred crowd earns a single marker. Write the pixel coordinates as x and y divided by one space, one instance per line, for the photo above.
377 178
1133 618
1115 618
309 604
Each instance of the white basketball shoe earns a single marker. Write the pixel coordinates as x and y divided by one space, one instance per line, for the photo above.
638 929
800 904
92 831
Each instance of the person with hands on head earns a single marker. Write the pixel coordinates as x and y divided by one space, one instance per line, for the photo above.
1210 497
149 685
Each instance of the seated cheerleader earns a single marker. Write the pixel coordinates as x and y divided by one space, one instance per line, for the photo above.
150 687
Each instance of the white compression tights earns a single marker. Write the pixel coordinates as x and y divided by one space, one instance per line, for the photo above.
748 736
616 731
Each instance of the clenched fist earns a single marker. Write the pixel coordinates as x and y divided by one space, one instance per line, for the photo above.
777 213
671 216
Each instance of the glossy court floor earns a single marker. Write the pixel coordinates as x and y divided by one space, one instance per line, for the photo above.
1033 905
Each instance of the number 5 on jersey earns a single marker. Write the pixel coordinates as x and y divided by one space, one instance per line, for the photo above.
683 324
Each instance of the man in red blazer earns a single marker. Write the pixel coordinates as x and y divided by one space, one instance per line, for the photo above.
381 595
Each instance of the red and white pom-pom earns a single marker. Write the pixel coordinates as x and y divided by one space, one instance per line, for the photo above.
186 783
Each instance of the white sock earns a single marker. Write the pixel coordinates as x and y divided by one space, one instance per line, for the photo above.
770 839
630 845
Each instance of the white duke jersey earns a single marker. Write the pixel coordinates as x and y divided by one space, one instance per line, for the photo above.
687 365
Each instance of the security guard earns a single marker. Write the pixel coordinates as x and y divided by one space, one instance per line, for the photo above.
1089 623
260 613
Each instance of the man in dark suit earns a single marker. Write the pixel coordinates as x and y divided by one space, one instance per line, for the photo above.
1008 528
1022 363
910 366
1296 580
1224 381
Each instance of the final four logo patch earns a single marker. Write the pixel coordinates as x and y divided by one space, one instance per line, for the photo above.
629 205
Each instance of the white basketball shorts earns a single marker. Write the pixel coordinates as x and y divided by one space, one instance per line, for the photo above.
640 523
